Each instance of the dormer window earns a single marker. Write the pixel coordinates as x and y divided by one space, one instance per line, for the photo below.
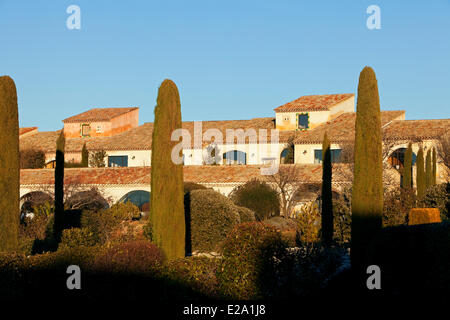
303 121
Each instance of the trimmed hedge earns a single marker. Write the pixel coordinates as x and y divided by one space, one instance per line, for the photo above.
100 223
247 268
212 217
259 197
246 215
423 216
76 237
413 259
124 211
132 257
199 273
189 186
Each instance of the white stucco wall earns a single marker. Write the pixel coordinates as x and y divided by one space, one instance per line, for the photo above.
136 158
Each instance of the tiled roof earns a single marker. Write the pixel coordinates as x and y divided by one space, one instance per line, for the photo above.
141 175
99 114
46 141
321 102
417 129
341 129
140 138
26 130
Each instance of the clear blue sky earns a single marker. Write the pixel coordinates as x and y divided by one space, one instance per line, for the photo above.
230 59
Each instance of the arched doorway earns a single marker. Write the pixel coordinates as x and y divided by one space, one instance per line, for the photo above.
235 157
287 155
31 200
397 158
139 198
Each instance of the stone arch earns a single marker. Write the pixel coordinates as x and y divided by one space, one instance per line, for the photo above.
32 199
140 198
397 158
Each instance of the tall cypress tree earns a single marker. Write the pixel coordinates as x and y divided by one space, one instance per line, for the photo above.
433 179
407 168
167 196
327 201
9 165
59 186
428 170
367 191
420 174
84 156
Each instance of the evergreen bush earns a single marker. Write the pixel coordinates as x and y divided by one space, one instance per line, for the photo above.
259 197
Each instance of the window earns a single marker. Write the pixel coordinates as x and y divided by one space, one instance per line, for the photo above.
118 161
99 129
85 130
335 155
303 121
235 157
286 118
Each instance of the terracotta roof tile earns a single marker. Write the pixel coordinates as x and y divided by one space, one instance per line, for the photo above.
417 129
26 130
342 128
142 175
321 102
99 114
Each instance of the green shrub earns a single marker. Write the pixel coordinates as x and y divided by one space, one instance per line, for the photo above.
26 246
100 223
32 159
35 227
133 257
342 220
125 211
189 186
12 282
97 159
396 207
198 273
257 196
247 267
308 223
65 256
76 237
437 196
148 231
245 214
212 217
